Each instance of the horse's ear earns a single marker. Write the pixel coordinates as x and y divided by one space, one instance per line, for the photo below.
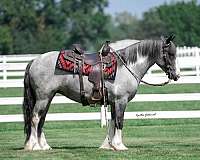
170 38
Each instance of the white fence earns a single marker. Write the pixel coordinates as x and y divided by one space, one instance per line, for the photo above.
12 68
101 115
97 116
137 98
12 71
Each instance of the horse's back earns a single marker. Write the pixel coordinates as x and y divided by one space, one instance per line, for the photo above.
42 70
47 58
45 61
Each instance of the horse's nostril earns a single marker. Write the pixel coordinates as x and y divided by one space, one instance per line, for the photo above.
176 77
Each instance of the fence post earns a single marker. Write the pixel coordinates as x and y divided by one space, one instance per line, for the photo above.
197 50
4 68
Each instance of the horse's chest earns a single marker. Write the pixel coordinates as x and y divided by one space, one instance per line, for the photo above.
125 86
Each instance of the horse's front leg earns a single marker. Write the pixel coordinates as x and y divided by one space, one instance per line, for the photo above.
117 112
114 138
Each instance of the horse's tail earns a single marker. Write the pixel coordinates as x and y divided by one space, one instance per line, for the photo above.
29 101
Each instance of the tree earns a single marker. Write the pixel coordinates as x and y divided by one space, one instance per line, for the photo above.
181 19
38 26
87 23
125 26
6 40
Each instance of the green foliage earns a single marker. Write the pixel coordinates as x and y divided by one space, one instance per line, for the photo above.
6 41
126 26
180 18
38 26
88 22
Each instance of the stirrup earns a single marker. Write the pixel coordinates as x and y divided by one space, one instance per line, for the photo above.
97 97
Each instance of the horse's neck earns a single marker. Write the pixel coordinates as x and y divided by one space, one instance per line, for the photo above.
141 66
151 52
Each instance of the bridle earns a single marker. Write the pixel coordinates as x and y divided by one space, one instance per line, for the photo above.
167 61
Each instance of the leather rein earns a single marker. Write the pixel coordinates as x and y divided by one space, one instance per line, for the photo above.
137 77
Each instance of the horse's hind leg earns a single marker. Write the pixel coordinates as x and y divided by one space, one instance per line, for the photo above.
41 136
43 143
33 142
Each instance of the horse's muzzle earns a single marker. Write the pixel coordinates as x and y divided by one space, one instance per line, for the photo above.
174 76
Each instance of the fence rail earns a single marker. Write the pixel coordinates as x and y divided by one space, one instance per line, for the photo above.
137 98
12 68
97 116
101 115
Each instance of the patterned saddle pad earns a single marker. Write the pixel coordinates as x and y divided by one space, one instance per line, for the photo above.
67 62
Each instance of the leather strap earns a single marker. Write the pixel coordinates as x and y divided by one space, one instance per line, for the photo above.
82 91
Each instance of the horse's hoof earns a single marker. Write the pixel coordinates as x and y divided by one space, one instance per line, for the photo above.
106 147
36 147
27 148
31 147
46 147
119 147
106 144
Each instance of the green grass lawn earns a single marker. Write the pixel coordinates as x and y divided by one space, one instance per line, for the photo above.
146 139
167 139
171 88
79 140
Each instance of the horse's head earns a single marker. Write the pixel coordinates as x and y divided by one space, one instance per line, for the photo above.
167 58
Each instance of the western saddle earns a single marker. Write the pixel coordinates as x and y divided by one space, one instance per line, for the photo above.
97 61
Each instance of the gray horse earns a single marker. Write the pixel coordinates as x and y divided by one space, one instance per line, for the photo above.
41 84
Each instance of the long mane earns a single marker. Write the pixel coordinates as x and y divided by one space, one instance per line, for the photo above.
150 48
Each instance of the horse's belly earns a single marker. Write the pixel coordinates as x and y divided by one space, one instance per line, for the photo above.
71 89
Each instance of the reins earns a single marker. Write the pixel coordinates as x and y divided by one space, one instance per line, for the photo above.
135 75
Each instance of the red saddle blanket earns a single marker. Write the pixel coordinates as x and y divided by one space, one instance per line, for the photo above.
66 63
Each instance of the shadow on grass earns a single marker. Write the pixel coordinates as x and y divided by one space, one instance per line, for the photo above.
17 149
61 147
75 147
